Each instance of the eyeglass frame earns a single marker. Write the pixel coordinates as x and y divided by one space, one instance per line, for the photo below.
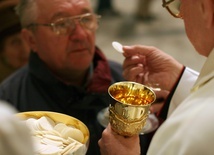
73 18
165 5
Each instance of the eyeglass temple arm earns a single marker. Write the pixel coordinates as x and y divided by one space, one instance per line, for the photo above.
165 4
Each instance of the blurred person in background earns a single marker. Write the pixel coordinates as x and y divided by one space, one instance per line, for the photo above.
67 72
14 51
188 112
143 11
105 7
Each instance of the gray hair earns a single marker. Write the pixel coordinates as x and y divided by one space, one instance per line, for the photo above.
27 11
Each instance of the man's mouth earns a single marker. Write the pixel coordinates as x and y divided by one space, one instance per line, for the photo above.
77 50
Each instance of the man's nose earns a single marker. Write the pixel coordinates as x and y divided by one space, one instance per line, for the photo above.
78 29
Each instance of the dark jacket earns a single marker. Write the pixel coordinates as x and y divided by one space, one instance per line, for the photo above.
34 88
5 70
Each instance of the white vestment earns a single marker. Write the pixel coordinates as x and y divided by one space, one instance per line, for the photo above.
189 128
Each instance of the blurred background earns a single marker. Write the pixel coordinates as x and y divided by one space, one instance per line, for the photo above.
122 23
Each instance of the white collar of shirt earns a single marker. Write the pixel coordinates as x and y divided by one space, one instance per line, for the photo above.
207 72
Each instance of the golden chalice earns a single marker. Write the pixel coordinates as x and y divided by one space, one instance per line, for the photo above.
129 107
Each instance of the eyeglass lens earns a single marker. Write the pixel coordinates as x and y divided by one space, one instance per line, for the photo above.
67 25
175 7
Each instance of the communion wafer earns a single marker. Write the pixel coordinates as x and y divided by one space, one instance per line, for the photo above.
53 138
73 133
50 150
59 127
46 123
52 142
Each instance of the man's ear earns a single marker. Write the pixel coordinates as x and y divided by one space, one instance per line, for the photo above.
30 39
208 12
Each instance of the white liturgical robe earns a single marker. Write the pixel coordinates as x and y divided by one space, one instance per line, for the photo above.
189 128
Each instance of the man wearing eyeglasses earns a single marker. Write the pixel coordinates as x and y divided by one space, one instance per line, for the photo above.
188 128
66 73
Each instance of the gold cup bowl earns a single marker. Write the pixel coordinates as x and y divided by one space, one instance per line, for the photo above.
59 118
129 107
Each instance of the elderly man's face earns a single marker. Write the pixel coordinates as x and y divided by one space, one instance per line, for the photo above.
64 53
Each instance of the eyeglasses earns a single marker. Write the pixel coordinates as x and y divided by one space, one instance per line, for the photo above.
173 6
65 26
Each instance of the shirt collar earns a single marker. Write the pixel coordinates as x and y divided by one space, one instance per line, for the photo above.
207 72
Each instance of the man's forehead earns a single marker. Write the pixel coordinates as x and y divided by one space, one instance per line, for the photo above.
74 2
64 3
59 8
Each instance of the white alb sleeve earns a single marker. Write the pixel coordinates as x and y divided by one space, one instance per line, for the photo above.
183 88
